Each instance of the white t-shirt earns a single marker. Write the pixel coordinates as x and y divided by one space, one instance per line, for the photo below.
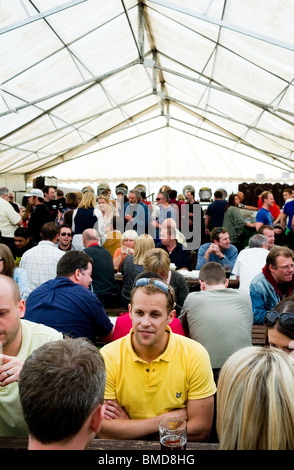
248 264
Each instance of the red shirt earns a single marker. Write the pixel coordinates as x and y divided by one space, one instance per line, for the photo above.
123 325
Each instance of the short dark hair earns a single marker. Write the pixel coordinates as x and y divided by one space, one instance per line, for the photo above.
218 194
212 273
60 384
65 226
263 227
215 233
71 261
173 194
49 231
22 232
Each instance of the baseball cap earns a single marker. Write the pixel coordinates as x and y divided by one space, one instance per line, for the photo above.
35 192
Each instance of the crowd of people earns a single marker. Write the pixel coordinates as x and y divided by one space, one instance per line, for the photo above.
170 351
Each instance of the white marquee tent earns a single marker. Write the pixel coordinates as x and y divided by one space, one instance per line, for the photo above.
151 91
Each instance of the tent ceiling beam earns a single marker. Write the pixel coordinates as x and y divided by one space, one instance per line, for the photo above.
80 148
41 16
82 121
93 80
224 24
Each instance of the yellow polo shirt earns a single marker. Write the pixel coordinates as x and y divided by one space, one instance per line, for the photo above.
182 372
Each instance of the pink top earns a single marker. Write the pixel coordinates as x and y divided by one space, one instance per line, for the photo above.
123 325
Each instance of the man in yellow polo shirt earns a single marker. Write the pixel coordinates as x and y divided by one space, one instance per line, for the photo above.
152 373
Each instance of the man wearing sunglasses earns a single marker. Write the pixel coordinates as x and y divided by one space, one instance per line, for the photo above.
65 238
273 284
153 373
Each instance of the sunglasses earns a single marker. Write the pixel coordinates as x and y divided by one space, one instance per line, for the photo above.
64 234
144 281
158 198
286 319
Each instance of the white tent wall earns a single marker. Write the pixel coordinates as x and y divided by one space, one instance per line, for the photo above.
167 157
147 91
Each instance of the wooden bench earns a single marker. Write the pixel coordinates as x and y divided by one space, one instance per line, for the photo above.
258 335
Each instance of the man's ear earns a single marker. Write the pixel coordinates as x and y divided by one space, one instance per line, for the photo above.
21 308
227 283
171 316
270 267
130 310
202 285
97 416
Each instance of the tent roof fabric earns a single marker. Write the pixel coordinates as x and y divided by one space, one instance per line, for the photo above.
153 89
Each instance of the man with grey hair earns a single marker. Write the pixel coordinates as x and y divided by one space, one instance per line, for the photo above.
251 260
57 416
9 218
136 215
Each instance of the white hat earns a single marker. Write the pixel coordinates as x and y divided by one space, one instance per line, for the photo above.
35 192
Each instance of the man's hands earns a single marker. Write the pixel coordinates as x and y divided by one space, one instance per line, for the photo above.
9 369
114 411
213 248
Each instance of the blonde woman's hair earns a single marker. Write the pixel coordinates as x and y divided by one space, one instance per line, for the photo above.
143 243
88 200
103 196
255 401
132 234
157 261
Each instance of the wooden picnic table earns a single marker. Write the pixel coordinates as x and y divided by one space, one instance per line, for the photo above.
20 443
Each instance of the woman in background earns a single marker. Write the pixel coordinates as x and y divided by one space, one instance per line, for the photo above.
157 260
133 265
280 326
8 268
255 401
128 241
87 215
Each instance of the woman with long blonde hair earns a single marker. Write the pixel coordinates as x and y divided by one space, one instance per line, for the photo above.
87 215
255 400
133 265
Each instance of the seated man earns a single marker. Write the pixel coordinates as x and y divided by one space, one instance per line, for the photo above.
19 338
167 374
66 303
22 243
219 250
178 254
58 418
218 317
274 283
249 263
103 280
40 262
269 232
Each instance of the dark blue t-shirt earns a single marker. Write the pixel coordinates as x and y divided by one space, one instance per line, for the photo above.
216 212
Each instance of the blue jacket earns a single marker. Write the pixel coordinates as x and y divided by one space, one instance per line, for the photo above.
264 297
230 256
